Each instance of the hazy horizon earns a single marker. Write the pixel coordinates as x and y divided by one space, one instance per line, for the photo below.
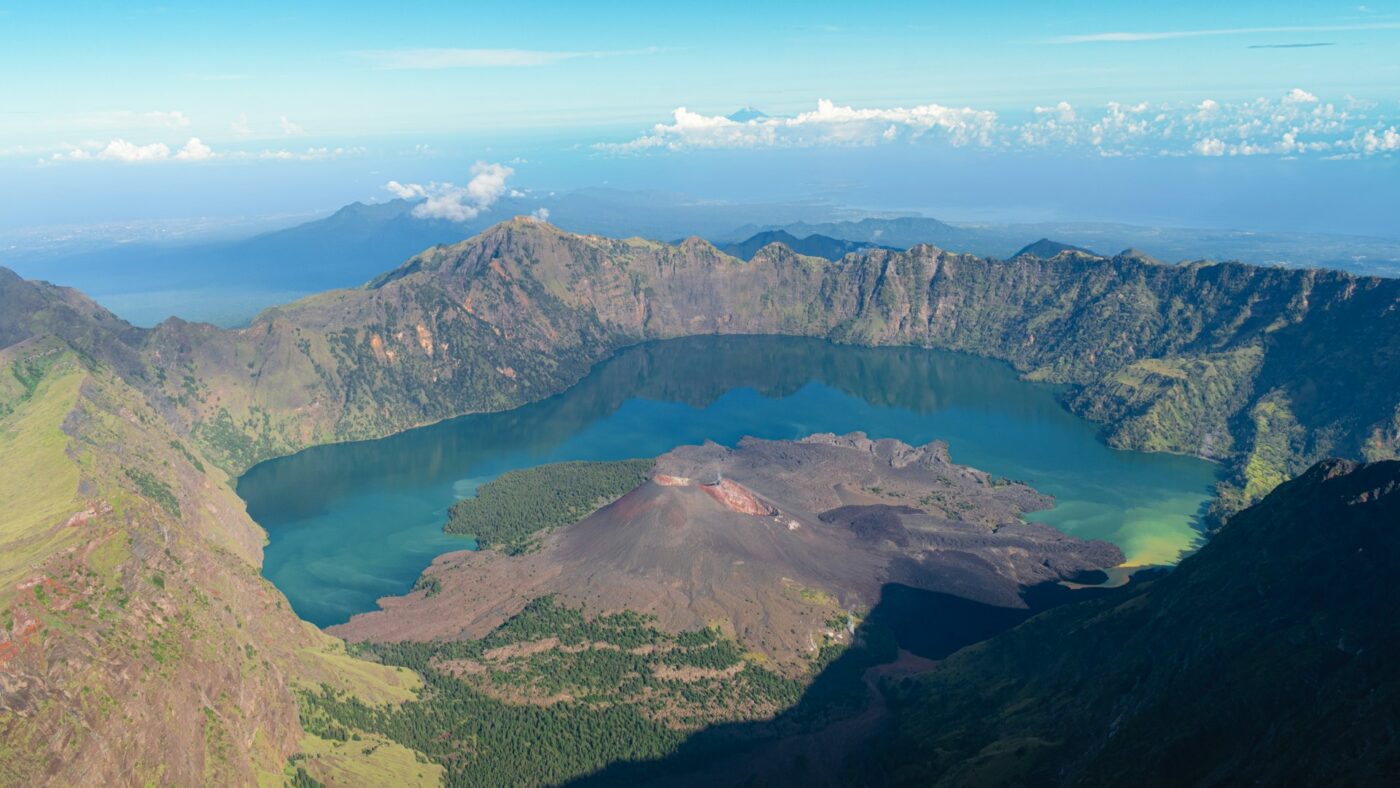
1253 117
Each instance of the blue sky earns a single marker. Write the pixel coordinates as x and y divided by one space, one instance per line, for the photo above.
146 111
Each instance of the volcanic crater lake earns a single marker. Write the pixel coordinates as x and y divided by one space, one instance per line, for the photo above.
349 523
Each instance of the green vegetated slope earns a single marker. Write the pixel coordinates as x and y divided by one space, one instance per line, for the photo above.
138 642
550 695
1269 657
509 512
1268 369
113 552
137 638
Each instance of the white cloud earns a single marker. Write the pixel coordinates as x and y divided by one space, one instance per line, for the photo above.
1050 124
194 150
407 191
433 59
1209 147
119 150
828 124
131 153
1294 123
1380 142
1120 123
456 203
1062 112
240 127
1299 96
289 128
540 215
76 154
310 154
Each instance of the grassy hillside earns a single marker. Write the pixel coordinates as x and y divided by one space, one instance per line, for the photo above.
40 485
138 641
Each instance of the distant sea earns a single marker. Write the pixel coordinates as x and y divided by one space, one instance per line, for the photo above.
224 307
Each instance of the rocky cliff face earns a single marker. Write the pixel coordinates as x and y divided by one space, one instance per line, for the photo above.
1260 367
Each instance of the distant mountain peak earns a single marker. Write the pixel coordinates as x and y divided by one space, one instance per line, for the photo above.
811 245
1133 253
1047 249
747 114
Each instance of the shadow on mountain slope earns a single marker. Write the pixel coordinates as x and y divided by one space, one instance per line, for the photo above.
906 631
1271 656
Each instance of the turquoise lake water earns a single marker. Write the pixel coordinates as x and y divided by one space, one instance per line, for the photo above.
349 523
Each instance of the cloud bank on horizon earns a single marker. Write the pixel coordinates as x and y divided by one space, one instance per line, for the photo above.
1295 124
194 150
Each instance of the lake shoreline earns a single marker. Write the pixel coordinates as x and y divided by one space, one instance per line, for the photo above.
393 492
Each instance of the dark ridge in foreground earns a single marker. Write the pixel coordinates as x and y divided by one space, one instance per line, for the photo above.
1270 657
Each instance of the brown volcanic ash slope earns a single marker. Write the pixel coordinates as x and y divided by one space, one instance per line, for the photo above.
792 534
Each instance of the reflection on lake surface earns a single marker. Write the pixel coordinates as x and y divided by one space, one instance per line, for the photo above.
350 523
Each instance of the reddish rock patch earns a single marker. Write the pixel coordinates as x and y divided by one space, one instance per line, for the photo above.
734 497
